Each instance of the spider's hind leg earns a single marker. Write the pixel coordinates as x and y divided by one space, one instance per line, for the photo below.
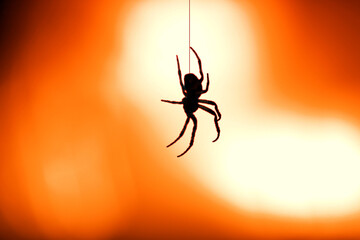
181 133
215 120
212 103
193 118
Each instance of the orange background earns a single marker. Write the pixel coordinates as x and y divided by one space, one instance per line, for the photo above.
58 130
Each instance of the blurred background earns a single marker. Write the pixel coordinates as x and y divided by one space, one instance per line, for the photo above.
83 131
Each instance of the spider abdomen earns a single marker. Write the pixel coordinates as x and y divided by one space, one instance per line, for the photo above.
190 104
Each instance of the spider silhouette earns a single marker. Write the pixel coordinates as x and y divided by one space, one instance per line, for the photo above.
192 90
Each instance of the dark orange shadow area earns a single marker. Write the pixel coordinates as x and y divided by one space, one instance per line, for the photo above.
71 167
312 56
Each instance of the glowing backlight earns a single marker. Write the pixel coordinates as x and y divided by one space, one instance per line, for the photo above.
266 160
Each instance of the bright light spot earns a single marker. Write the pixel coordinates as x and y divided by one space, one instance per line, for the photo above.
62 179
264 160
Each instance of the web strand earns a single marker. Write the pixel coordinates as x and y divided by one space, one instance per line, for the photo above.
189 36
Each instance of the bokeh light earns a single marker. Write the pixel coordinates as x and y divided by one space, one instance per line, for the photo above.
267 159
83 132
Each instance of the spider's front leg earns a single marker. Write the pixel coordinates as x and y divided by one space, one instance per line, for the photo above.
200 67
179 73
207 85
173 102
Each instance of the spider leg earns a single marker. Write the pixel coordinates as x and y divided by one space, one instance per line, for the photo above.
173 102
214 104
199 61
215 120
181 133
193 118
179 73
207 85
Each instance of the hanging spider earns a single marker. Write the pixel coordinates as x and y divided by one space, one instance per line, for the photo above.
192 91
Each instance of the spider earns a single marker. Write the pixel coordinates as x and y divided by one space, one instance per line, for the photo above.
192 90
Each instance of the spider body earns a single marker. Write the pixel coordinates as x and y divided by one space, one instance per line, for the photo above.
192 90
